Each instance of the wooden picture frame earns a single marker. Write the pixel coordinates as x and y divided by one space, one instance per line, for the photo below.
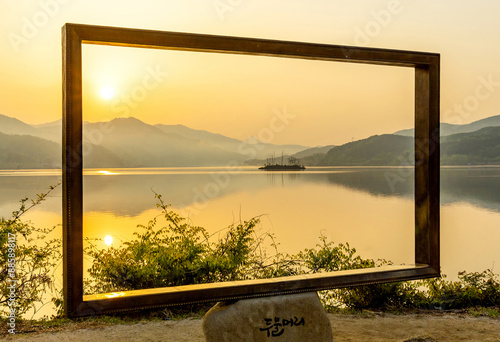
427 97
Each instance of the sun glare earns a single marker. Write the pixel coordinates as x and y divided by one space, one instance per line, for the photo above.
108 240
106 173
114 294
107 93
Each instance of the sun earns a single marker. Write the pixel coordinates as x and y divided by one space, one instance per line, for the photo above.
107 93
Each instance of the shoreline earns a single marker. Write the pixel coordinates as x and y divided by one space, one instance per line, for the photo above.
57 171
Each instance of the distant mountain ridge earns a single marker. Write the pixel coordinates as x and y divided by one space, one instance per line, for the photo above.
130 142
312 151
9 125
29 152
449 129
480 147
377 150
49 131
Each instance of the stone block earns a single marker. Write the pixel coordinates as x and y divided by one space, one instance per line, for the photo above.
290 318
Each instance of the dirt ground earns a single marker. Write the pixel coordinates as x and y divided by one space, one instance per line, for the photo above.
373 328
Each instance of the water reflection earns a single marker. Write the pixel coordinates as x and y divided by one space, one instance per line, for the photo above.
131 191
477 186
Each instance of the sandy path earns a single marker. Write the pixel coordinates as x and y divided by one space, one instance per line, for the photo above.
345 328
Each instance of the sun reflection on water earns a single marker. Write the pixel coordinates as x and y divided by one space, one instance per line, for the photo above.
106 173
114 294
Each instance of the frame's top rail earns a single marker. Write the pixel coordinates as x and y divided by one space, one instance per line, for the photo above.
237 45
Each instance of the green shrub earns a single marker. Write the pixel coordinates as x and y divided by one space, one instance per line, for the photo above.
482 311
175 254
472 289
395 295
327 257
34 262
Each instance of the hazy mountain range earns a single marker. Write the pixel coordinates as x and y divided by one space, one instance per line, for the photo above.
476 143
129 142
449 129
477 147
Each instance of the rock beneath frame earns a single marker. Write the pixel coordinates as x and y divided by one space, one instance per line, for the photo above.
291 318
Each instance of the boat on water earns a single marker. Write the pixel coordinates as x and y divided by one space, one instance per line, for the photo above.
278 167
293 165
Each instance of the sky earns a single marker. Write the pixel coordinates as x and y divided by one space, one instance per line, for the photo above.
314 102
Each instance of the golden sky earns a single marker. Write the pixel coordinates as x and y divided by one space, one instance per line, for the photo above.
238 96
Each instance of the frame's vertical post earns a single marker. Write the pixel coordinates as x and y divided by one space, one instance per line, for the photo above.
435 164
72 171
427 164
